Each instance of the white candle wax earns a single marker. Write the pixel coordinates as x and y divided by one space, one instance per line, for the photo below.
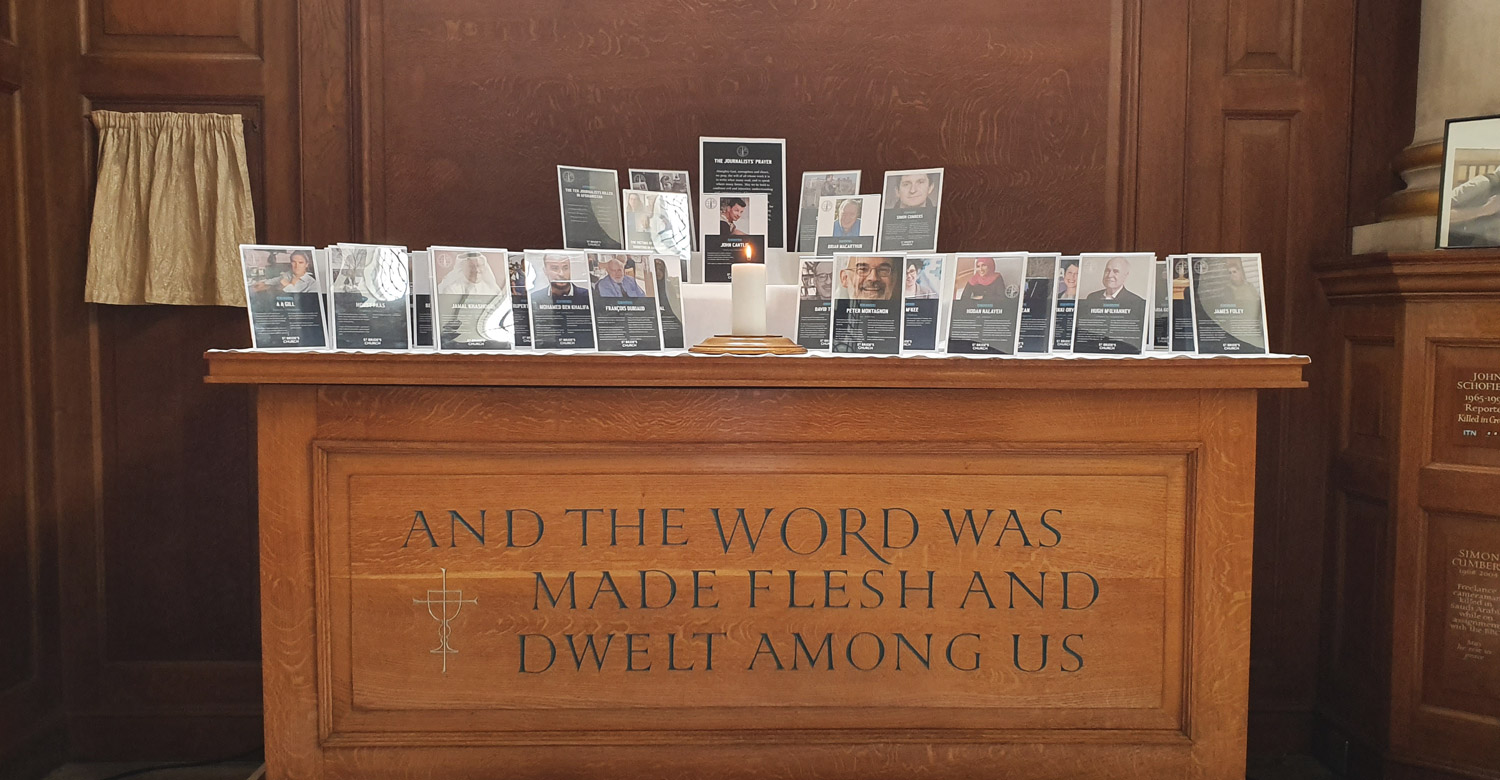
748 306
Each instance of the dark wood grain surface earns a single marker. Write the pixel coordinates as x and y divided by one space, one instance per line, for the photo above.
562 370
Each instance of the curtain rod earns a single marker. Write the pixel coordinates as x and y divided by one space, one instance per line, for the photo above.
253 125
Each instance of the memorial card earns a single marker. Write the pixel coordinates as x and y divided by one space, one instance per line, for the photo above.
421 300
1229 307
816 184
367 296
474 299
867 306
1181 312
522 279
1065 303
1161 300
653 180
1112 312
922 290
658 222
985 316
667 271
284 298
561 308
626 317
734 165
846 223
909 219
1036 303
590 202
734 231
815 303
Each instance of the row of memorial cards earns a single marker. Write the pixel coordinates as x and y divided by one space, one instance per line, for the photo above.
742 208
462 299
1028 303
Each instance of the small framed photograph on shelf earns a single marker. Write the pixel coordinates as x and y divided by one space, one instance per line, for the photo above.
1469 215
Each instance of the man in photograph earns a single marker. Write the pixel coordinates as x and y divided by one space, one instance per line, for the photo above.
868 278
1116 273
1474 215
817 280
730 212
616 283
471 275
300 279
915 191
984 284
560 288
848 223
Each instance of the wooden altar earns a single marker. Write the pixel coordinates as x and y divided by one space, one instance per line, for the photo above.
543 566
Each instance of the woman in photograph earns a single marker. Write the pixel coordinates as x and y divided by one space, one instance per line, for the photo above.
917 286
1068 290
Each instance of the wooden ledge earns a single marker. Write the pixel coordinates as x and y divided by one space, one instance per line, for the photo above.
1440 273
562 370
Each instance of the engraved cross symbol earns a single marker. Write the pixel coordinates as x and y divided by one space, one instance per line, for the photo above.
443 605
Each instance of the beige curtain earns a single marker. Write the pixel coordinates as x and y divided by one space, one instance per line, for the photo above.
171 208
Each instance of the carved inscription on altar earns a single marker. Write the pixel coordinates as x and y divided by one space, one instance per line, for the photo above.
984 589
1466 410
1471 618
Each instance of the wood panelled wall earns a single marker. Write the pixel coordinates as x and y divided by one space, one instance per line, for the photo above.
32 736
1078 125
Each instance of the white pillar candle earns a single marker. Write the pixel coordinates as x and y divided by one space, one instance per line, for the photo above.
748 306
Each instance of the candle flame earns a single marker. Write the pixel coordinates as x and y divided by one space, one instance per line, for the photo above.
749 252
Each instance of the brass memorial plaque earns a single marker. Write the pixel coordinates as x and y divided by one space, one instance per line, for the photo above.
501 595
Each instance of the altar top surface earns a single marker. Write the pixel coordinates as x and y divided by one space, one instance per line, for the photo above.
1041 372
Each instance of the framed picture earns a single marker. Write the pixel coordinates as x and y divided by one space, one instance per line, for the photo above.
1470 212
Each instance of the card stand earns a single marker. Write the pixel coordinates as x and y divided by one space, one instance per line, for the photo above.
748 345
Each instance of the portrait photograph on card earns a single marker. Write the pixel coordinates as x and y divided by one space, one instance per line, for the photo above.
559 301
922 286
1470 184
734 231
590 202
1113 308
748 165
1180 313
654 180
1229 305
985 315
626 317
1036 303
814 303
667 272
911 204
1065 303
847 223
284 297
658 222
815 185
368 296
473 299
867 304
